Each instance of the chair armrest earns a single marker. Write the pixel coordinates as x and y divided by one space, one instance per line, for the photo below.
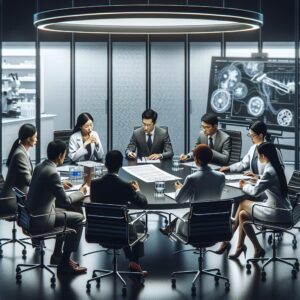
52 214
142 214
7 198
144 235
180 218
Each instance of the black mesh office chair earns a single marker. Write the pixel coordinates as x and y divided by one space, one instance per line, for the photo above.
23 219
109 226
64 135
236 145
207 224
276 228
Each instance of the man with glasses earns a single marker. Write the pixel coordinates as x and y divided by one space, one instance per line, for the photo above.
218 141
149 140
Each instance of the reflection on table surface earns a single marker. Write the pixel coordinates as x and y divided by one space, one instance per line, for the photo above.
148 189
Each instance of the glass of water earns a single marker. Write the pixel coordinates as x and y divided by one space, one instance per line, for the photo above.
159 188
175 162
98 171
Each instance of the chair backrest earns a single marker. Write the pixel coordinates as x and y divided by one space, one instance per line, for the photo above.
23 217
210 222
294 186
63 135
164 127
107 224
236 145
1 182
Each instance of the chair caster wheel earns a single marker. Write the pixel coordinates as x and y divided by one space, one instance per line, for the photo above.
124 291
53 280
296 264
94 275
88 287
227 286
294 273
98 281
193 291
1 253
19 278
216 280
142 280
248 266
24 252
18 269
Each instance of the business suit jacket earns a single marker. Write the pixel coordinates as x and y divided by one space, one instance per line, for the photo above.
18 175
77 150
112 189
203 185
222 147
45 189
270 185
161 143
246 164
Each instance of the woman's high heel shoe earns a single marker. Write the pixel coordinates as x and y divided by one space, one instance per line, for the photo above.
226 246
238 252
259 253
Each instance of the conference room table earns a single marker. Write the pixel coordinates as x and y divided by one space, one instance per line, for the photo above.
163 202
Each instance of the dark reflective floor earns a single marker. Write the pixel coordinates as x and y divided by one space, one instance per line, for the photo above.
160 263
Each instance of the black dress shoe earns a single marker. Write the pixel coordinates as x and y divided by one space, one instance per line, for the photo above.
70 269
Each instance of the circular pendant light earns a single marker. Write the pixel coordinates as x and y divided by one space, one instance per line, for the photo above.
148 19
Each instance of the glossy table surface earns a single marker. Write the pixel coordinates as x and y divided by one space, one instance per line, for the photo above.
165 202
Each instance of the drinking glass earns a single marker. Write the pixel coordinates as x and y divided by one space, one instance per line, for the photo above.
159 188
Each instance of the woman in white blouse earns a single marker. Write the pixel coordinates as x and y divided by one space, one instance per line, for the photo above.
85 143
273 183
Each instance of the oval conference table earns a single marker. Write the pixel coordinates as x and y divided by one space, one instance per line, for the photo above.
164 202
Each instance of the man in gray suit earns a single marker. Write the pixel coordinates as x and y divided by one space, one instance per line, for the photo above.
218 141
45 189
149 140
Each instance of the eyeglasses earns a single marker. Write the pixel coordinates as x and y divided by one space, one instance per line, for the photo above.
251 135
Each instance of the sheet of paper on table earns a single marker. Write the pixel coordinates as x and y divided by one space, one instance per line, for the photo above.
236 177
193 165
235 184
89 163
64 168
149 173
171 195
145 160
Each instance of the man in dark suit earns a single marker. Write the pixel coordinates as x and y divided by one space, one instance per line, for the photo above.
149 140
45 189
112 189
218 141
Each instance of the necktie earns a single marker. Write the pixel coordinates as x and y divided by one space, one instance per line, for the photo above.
254 166
149 142
210 143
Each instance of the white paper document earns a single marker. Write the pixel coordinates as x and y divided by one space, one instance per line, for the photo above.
193 165
235 184
149 173
171 195
64 168
236 177
74 188
145 160
90 163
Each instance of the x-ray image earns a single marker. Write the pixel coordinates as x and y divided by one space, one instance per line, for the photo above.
244 89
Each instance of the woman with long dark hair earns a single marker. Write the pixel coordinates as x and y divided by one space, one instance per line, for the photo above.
273 184
19 165
85 143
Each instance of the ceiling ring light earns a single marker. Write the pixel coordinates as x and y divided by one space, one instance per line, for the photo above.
148 19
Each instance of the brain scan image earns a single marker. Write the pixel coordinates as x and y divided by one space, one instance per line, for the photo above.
229 77
240 91
220 100
285 117
256 106
252 68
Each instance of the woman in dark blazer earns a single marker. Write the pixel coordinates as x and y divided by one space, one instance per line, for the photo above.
19 166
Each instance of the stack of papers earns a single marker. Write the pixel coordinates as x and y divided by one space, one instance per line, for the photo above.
145 160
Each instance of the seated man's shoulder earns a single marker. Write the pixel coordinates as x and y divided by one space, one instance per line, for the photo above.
223 134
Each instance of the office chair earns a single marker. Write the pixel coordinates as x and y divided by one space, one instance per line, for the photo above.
207 224
236 145
109 226
12 217
276 228
24 218
64 135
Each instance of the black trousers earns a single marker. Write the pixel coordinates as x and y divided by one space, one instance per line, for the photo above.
69 242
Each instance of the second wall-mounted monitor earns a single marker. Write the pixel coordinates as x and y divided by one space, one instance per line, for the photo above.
243 89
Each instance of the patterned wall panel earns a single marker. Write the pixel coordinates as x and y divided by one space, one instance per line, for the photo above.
200 60
91 84
129 90
167 89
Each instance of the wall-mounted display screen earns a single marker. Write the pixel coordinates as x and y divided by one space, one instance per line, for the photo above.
244 89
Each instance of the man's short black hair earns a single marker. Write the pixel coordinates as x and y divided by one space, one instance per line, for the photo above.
150 114
113 161
210 118
55 148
